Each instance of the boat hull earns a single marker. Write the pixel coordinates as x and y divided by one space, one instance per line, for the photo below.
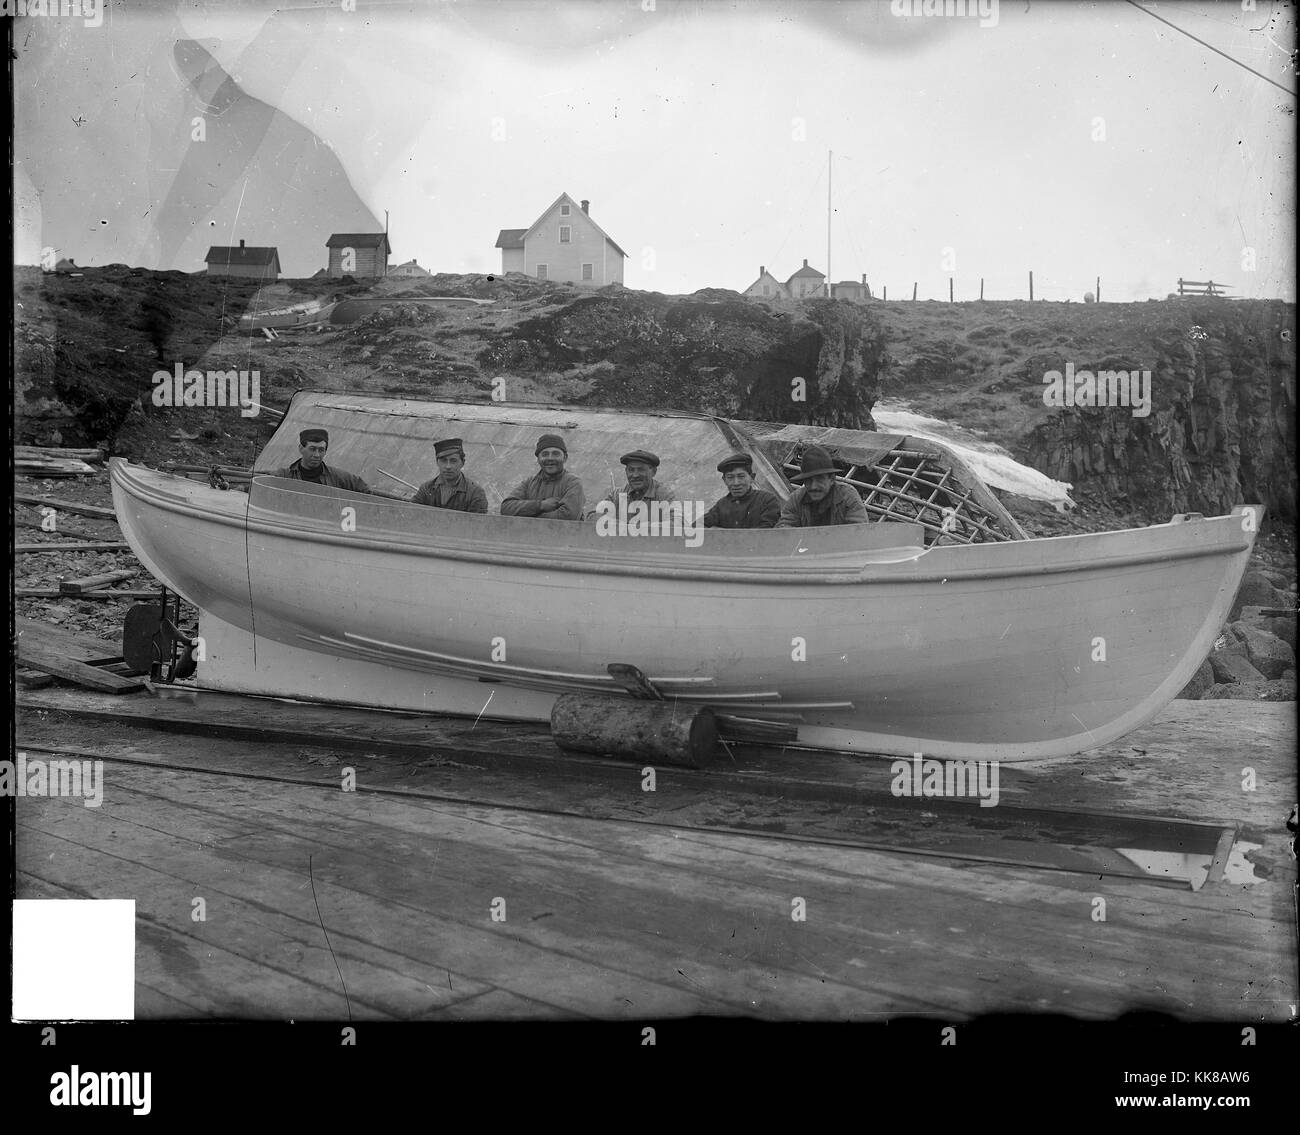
1008 651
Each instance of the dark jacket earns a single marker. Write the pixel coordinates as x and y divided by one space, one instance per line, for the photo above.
842 505
652 492
465 496
756 509
334 478
525 498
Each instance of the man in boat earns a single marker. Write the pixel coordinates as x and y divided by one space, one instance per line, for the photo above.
820 498
550 493
311 466
451 488
640 467
744 506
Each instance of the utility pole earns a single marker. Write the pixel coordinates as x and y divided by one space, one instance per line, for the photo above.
829 155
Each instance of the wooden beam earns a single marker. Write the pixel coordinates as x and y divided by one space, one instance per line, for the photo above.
85 546
94 582
51 593
97 511
70 533
47 451
49 659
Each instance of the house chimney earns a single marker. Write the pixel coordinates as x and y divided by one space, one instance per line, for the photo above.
864 277
584 205
762 269
241 244
805 262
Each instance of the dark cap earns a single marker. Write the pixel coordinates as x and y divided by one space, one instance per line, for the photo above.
448 445
304 436
550 441
736 461
642 455
815 461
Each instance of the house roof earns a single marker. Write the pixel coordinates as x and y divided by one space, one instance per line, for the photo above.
250 256
511 238
359 240
561 199
806 271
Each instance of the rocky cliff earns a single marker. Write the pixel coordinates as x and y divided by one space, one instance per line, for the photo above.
1222 374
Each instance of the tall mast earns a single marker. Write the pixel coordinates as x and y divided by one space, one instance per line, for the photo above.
829 155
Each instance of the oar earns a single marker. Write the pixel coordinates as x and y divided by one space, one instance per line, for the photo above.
406 483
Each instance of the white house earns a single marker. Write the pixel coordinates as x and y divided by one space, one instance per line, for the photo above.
409 269
564 243
806 282
767 286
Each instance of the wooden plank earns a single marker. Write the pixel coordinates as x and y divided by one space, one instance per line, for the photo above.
71 533
81 647
80 546
51 660
95 582
53 593
33 679
97 511
45 451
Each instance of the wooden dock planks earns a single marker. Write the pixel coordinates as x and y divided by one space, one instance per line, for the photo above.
603 913
613 918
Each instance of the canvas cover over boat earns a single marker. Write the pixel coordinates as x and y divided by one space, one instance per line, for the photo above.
903 479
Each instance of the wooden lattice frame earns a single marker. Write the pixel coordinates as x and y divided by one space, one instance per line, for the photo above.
911 485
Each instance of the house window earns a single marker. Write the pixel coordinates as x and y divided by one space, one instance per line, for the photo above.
541 272
564 210
766 290
586 272
566 234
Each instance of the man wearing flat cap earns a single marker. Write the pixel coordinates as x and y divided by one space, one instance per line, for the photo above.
311 466
820 499
744 506
550 493
641 467
451 488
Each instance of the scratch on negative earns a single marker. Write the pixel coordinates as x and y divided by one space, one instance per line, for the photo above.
312 879
1004 635
487 703
1084 727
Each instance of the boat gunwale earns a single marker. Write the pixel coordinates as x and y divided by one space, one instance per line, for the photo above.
779 573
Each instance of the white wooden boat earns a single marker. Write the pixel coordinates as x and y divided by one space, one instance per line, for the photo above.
945 631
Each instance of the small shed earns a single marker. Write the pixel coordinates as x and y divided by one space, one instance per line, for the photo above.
361 255
245 262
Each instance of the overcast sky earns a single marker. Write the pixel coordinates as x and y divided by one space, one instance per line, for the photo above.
1078 140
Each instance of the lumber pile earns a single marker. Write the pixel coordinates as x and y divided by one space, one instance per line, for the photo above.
74 658
44 461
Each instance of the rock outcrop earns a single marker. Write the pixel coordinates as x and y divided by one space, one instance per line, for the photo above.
1222 427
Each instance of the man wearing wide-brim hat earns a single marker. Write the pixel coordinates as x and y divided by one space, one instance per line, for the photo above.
550 493
310 466
640 468
820 499
744 506
451 488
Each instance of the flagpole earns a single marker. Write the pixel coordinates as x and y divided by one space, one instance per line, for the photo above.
829 156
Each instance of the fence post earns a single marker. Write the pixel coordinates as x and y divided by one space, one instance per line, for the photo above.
1097 294
914 293
950 289
981 287
1031 285
884 293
